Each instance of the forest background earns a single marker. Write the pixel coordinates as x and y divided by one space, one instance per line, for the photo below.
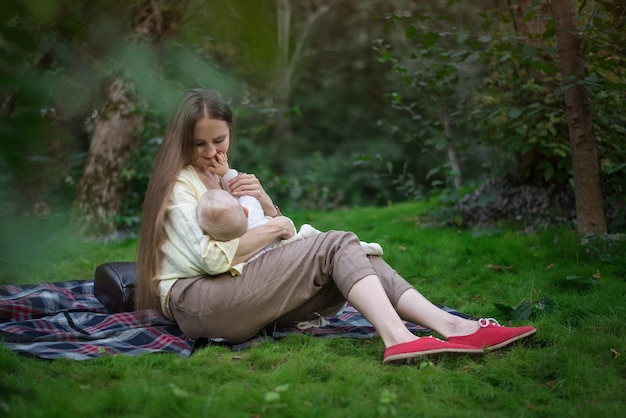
338 104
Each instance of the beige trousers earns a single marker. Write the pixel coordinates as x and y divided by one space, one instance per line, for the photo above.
284 285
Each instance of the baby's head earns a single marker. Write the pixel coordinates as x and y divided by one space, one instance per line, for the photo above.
221 215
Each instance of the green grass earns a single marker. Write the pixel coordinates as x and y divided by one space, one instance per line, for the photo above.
574 366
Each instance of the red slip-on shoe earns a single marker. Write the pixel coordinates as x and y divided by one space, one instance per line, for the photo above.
425 346
491 335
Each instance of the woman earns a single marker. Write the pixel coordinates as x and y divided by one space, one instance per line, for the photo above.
209 290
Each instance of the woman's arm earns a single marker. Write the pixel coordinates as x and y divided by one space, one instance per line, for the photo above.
261 236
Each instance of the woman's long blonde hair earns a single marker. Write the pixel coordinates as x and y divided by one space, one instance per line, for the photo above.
177 150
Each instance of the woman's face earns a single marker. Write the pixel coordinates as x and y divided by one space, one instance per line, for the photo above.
211 136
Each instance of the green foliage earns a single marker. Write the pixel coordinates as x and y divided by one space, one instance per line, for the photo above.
482 83
137 175
456 75
50 74
504 90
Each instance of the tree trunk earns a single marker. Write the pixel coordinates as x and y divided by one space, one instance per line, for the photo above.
590 214
284 71
455 165
99 195
6 109
286 62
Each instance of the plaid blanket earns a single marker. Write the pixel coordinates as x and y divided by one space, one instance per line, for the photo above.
64 320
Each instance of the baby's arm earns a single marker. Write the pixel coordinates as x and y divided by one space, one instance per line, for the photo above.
226 178
220 164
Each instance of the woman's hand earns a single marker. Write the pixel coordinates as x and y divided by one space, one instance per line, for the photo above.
286 225
246 185
257 238
249 185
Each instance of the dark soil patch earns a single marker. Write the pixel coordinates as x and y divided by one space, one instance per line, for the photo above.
502 200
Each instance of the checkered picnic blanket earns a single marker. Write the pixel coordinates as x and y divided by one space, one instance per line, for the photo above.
64 320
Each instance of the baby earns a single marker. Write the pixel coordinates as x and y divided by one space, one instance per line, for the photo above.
221 216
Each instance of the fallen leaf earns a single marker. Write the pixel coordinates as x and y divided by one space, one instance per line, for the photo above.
550 266
597 275
272 396
498 267
401 248
236 357
178 392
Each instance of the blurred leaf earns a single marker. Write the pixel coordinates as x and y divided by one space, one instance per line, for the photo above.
523 311
272 396
282 388
546 304
411 32
550 30
430 39
505 310
472 57
515 112
178 392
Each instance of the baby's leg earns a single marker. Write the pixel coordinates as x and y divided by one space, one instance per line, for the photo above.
372 248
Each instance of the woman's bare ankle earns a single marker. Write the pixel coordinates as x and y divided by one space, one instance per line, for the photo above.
463 327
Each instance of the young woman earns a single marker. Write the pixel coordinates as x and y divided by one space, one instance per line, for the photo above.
207 287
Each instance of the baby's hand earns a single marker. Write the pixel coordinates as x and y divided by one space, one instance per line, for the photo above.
220 164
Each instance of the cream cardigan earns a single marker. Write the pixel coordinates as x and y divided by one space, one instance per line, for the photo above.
187 251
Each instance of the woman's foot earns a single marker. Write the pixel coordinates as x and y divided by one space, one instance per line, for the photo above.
491 335
426 346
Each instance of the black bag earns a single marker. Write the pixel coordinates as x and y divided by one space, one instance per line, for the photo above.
114 285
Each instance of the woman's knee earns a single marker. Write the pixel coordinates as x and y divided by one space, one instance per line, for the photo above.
343 237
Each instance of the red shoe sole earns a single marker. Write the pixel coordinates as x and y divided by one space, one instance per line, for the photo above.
411 352
411 358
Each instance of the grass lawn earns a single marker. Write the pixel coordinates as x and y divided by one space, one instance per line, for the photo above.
574 366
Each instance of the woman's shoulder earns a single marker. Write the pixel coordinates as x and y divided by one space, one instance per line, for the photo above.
189 177
188 173
188 182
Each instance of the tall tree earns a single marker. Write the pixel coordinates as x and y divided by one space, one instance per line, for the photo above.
287 58
99 195
590 210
